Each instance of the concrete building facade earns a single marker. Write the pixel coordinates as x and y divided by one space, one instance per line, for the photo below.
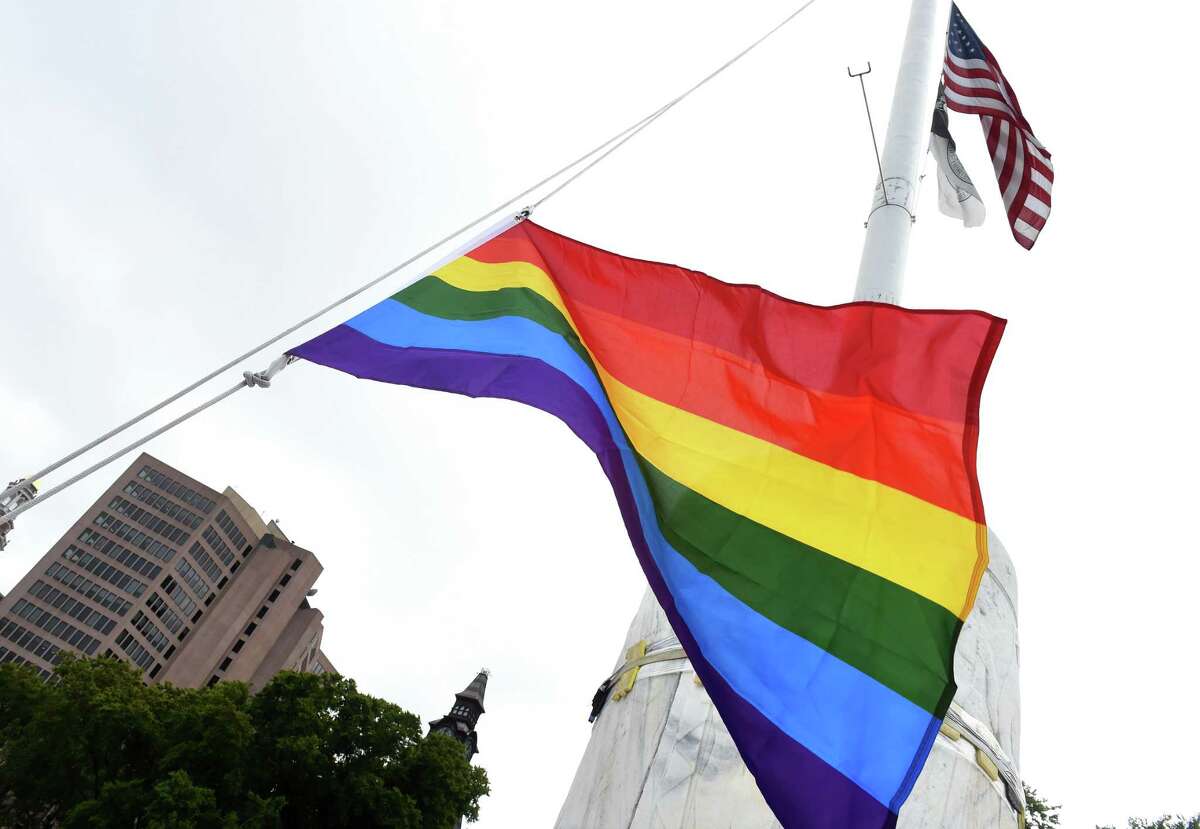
188 584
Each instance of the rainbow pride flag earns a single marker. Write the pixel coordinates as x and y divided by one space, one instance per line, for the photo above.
798 483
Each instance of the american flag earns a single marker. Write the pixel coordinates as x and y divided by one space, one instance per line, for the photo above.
975 84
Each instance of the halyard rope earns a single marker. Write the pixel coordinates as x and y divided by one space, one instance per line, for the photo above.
601 152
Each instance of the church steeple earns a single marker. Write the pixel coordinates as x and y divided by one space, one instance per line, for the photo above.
460 722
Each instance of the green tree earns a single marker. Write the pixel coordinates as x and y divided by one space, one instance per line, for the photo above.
1164 822
334 754
98 748
173 803
91 727
1039 814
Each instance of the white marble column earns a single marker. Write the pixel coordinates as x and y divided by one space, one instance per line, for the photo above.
660 758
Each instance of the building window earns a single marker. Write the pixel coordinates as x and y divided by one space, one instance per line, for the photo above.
202 558
162 505
137 654
148 520
27 639
214 680
237 646
121 555
274 595
250 628
283 582
230 529
178 490
104 571
198 585
158 606
218 545
179 595
88 588
262 611
296 564
225 663
55 626
157 639
8 656
127 532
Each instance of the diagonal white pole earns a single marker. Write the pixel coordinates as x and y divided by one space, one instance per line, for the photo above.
598 154
881 271
10 509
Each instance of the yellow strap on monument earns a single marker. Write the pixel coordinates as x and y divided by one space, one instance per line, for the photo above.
625 683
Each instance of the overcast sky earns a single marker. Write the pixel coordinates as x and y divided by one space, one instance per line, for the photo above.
178 181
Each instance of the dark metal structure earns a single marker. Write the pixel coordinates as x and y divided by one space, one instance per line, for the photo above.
460 722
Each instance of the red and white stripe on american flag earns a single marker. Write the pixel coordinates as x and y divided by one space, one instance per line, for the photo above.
975 84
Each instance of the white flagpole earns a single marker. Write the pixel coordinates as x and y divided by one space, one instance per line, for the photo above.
881 271
943 796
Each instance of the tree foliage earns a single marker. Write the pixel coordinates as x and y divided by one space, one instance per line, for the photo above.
98 748
1039 814
1164 822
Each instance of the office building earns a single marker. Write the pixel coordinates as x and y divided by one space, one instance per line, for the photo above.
188 584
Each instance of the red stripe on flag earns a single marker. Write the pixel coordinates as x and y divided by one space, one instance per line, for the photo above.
1028 216
991 131
1038 193
976 91
737 319
1012 96
969 73
982 112
1041 167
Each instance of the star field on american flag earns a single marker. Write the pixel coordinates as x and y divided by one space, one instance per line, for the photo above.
975 84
